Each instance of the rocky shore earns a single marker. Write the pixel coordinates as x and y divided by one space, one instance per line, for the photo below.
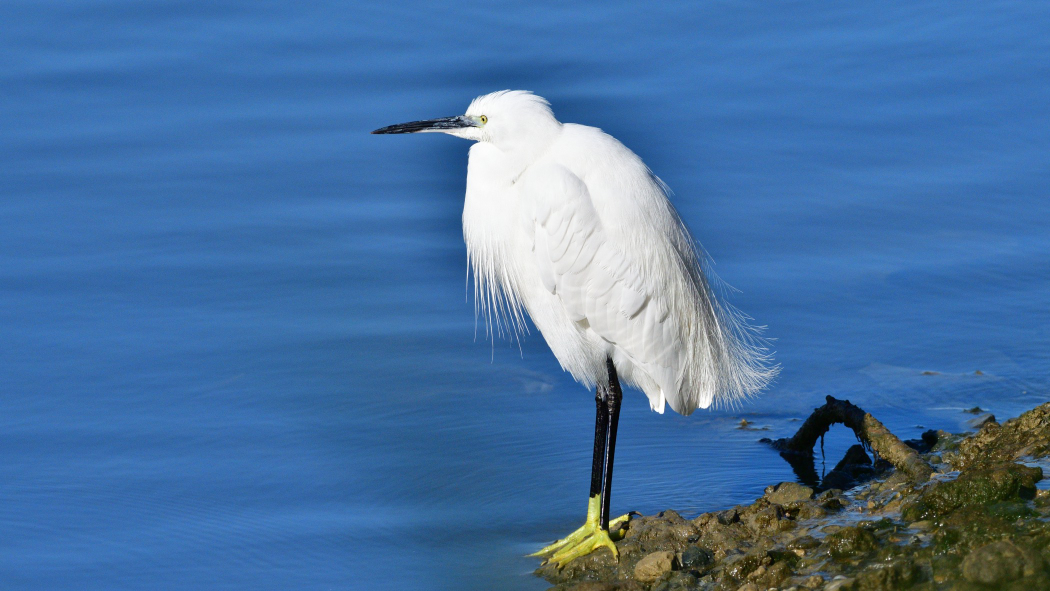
971 516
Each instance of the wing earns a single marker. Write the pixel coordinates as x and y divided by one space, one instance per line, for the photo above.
602 288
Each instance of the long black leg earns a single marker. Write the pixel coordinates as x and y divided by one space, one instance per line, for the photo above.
612 401
601 425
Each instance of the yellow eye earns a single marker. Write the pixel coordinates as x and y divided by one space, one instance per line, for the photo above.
484 119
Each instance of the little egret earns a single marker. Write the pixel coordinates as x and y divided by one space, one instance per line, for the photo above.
563 222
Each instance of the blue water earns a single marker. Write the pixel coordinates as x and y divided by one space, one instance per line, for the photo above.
235 347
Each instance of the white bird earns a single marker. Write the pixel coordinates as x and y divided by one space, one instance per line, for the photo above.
564 223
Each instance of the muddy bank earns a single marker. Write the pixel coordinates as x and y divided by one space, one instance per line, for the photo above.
969 516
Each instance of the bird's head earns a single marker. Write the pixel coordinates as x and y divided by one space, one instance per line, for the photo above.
514 121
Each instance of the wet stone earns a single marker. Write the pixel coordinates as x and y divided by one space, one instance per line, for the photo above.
813 582
773 576
831 500
1000 562
677 581
768 518
976 487
900 574
740 566
806 542
856 455
921 525
980 420
666 531
803 511
850 542
590 586
788 492
654 566
671 516
839 583
838 479
697 558
728 517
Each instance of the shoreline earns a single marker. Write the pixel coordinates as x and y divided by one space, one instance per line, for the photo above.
978 519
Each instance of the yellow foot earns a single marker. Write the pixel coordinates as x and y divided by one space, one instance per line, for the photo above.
598 539
586 539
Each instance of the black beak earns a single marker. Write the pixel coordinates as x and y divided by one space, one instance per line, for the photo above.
443 124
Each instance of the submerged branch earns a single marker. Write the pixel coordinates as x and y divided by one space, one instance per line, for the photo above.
869 431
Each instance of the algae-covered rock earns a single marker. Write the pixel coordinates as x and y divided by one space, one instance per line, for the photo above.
668 529
1001 562
771 517
1027 435
850 542
984 486
787 492
831 500
982 524
897 574
696 558
677 581
739 566
804 542
812 582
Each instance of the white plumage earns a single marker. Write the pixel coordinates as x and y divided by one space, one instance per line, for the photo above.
566 223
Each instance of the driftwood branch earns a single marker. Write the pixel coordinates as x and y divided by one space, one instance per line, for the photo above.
869 431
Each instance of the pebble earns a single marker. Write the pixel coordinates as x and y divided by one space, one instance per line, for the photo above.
838 583
813 582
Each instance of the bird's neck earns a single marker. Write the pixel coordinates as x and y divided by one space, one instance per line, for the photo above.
492 235
519 155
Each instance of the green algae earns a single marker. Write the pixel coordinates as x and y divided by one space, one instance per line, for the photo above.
851 542
977 487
